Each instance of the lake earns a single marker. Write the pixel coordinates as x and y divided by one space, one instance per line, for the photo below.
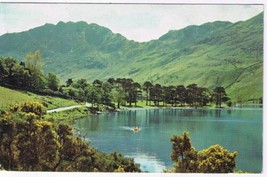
234 129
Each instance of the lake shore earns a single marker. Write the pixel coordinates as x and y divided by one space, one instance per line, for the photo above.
76 112
126 108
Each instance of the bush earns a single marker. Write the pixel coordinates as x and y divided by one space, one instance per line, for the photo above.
186 159
229 103
216 159
31 107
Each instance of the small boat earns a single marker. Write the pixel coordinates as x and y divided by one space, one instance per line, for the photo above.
136 129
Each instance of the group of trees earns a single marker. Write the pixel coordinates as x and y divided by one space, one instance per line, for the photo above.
27 74
126 91
192 95
120 91
28 142
186 159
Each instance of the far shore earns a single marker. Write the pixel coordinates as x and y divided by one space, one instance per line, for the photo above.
77 111
133 108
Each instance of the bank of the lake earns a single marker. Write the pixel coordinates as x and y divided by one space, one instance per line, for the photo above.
68 116
235 129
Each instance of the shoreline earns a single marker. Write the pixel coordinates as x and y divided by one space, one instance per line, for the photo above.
77 113
124 108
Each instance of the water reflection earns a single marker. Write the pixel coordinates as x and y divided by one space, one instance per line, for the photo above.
148 161
218 113
235 129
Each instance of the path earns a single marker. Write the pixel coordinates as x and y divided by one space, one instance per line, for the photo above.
67 108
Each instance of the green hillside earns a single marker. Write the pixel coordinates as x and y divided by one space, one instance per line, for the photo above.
9 97
212 54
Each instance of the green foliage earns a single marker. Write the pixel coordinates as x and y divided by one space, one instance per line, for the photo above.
34 64
183 154
229 103
28 108
26 76
34 61
30 143
66 117
52 81
216 159
118 95
114 162
218 53
186 159
117 90
220 96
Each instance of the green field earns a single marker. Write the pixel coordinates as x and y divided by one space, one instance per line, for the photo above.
9 96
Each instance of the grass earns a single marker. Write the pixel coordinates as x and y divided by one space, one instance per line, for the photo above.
68 116
9 97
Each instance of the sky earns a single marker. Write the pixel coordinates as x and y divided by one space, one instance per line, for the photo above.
139 22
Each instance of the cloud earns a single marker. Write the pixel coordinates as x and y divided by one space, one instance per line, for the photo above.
138 22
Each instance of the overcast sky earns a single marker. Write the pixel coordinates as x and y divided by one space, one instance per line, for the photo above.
137 22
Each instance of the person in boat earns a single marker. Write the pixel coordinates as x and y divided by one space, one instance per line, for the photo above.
136 129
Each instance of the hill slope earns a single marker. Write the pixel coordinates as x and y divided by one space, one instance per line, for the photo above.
218 53
9 97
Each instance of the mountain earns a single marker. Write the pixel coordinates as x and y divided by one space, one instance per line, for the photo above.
213 54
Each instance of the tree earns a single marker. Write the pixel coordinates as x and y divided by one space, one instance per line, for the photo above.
73 93
93 95
118 95
132 90
52 81
183 154
33 60
181 94
112 81
202 96
34 64
192 94
69 82
106 88
97 83
219 95
156 94
136 92
80 83
169 94
146 87
7 70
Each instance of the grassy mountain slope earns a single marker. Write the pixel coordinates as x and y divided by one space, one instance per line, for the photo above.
212 54
9 96
230 56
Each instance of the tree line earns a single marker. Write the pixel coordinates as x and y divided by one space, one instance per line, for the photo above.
125 91
28 75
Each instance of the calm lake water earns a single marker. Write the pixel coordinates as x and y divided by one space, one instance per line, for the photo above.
236 129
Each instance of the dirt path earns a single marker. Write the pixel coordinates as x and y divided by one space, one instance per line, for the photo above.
63 109
67 108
